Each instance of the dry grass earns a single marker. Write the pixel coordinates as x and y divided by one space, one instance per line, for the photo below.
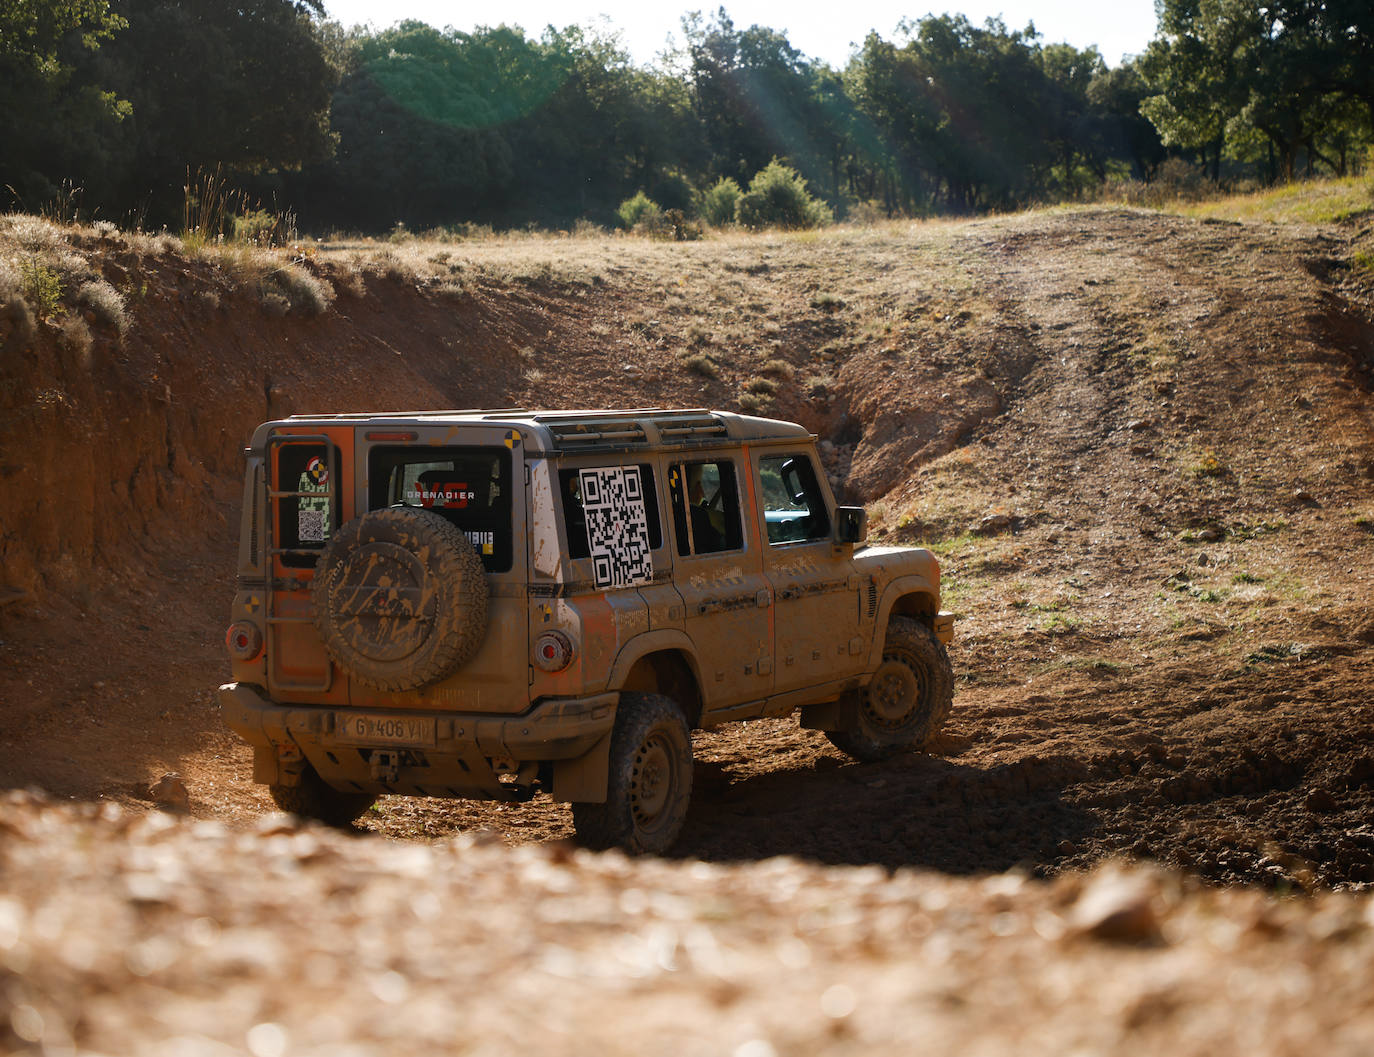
1323 201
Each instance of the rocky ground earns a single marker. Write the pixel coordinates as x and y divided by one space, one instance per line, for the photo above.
1143 448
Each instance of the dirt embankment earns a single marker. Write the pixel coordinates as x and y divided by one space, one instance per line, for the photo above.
1143 448
288 940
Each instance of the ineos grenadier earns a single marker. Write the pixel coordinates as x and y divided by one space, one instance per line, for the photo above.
494 604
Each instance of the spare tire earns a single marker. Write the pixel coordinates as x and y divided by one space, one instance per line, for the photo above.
400 598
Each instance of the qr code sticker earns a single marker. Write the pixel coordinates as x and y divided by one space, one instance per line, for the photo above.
310 526
617 526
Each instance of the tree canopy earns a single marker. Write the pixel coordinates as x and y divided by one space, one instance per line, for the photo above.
365 129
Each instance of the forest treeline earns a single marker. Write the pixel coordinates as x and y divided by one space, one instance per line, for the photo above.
115 107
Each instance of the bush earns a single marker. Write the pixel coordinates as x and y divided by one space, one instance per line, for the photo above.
75 336
677 227
701 364
42 285
261 228
777 197
105 303
297 288
672 191
719 202
640 212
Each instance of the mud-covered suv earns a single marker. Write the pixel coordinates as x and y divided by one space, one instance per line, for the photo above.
494 604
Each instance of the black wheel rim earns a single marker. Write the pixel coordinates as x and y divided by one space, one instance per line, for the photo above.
654 781
899 693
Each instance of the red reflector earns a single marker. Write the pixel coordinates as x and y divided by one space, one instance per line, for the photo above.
243 640
392 436
553 651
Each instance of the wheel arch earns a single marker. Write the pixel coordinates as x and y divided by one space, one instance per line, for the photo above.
661 662
906 596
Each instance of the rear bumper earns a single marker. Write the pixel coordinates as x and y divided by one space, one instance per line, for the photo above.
453 756
943 626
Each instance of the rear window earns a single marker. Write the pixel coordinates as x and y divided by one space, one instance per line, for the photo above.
471 487
306 503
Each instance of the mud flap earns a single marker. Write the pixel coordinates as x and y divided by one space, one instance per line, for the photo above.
277 765
584 779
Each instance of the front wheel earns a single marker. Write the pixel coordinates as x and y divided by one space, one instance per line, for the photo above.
906 702
649 782
316 799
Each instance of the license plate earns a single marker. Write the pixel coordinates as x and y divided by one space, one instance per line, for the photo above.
386 730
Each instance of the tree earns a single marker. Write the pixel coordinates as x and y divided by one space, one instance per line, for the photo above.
755 97
1115 95
1073 130
1241 77
43 118
961 112
243 86
1196 69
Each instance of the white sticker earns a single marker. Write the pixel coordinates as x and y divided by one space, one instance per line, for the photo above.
617 526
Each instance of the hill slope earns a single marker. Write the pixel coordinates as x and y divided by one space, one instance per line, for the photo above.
1142 446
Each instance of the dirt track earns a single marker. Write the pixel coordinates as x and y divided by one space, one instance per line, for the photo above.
1142 446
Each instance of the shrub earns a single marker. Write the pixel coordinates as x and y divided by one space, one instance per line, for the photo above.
699 334
719 202
639 212
42 286
1208 465
105 303
75 336
300 289
777 197
261 228
701 364
672 191
677 227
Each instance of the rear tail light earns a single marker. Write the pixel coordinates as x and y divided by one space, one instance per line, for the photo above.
243 640
553 651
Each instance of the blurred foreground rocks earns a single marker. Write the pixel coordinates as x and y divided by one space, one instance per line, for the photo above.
156 934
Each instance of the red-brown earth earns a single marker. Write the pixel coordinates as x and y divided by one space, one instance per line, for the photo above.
1143 448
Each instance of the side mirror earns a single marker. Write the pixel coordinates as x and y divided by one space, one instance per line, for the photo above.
851 524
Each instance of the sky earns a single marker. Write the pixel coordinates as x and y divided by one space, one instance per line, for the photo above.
1117 27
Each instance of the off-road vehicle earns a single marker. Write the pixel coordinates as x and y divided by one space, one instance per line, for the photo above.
492 604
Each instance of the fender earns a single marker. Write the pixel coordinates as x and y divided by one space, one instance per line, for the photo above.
897 589
649 642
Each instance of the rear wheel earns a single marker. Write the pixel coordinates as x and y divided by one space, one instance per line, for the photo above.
316 799
908 699
649 782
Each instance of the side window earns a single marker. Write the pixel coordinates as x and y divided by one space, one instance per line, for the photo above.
575 513
793 507
705 507
470 487
306 514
